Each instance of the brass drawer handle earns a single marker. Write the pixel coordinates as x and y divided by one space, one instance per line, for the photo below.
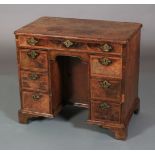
36 97
105 61
33 54
68 43
104 84
106 48
104 106
32 41
34 76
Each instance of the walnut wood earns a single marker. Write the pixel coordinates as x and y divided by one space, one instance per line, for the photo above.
81 29
131 76
39 84
40 105
57 44
71 74
120 133
74 73
113 92
24 116
111 114
112 70
38 64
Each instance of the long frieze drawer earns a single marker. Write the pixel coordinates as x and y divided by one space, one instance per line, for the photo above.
33 60
35 102
105 89
106 66
105 111
34 81
69 44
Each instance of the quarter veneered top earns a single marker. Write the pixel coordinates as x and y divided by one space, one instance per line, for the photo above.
99 30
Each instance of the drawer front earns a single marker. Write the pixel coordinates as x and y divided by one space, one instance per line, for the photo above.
69 44
105 89
33 60
34 81
35 102
106 48
105 111
106 66
30 41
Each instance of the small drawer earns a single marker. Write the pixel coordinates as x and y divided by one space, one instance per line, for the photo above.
35 102
106 66
105 89
31 41
33 60
106 48
34 81
105 111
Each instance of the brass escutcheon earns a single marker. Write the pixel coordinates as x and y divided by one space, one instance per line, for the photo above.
104 106
32 54
105 61
36 97
67 43
105 84
106 48
33 76
32 41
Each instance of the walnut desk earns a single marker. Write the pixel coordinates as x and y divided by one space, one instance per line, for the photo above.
87 63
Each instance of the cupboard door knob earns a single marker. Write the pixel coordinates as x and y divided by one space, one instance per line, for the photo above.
36 97
105 61
33 76
68 43
32 41
104 106
106 48
105 84
32 54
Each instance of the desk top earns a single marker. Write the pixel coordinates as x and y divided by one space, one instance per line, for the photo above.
84 29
